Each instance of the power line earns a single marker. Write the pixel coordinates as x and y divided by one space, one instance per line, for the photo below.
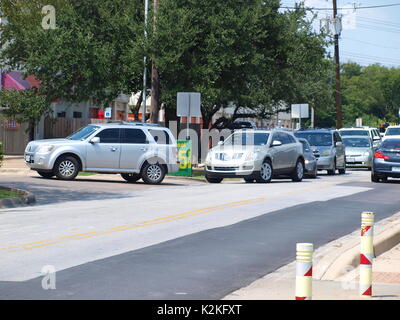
355 7
370 43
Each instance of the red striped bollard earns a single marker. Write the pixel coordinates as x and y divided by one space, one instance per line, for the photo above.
304 255
366 253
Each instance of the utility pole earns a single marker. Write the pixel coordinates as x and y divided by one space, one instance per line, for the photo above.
339 121
146 10
155 80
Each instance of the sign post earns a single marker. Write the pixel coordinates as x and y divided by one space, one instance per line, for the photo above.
300 111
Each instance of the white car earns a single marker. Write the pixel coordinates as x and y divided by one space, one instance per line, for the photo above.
371 132
392 132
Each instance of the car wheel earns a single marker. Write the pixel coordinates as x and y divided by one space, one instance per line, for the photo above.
298 172
131 177
46 174
248 180
342 171
66 168
153 173
214 180
384 179
333 171
374 178
265 173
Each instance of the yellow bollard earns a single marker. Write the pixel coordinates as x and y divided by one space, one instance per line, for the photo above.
366 253
304 255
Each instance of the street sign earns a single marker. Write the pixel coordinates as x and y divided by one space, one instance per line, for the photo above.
107 113
300 109
188 104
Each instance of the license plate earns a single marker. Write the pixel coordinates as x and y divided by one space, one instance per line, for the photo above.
396 169
28 158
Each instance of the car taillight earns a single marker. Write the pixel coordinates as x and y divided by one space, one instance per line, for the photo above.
380 155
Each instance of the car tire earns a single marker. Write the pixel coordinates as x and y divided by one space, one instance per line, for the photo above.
374 178
298 172
333 171
66 168
214 180
131 177
266 172
46 174
342 171
153 173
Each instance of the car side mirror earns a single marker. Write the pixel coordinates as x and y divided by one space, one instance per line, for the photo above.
377 138
276 143
95 140
338 143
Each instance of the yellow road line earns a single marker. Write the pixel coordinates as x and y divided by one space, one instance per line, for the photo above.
166 219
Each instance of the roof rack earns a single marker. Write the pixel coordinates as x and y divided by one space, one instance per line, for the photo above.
132 123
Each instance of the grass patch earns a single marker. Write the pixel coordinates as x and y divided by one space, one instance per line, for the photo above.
85 174
4 194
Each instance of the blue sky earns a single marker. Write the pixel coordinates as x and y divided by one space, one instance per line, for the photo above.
375 36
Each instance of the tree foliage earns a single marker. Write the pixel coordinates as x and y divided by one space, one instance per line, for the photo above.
371 93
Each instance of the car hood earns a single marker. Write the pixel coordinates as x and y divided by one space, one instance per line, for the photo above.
352 150
235 149
33 145
320 148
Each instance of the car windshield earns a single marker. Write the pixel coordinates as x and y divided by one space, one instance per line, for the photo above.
354 133
391 144
356 142
247 139
316 138
83 133
393 132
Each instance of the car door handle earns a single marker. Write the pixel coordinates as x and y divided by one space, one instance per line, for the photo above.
113 149
143 149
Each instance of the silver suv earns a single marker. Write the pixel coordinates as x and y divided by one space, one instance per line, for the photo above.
256 155
134 150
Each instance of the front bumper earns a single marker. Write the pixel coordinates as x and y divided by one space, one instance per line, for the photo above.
38 161
223 169
325 162
358 162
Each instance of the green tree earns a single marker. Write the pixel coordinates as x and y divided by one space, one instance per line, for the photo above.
95 50
24 106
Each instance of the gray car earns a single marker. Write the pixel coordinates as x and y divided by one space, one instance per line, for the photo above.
256 155
359 151
311 169
134 150
328 144
386 161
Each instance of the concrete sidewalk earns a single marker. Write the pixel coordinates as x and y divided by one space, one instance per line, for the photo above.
14 164
280 285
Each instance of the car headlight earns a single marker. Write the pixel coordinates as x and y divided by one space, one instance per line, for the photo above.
252 155
326 153
366 153
237 156
209 155
45 149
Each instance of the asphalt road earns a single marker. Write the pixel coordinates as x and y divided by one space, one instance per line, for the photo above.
195 241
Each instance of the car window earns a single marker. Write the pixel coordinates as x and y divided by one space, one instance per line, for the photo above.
393 132
356 142
354 133
285 138
247 138
160 136
83 133
391 144
134 136
109 136
306 146
320 139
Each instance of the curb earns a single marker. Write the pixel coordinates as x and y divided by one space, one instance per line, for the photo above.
336 264
27 198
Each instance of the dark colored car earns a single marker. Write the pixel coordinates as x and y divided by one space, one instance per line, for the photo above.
310 164
386 162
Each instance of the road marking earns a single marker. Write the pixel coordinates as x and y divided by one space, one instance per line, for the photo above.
166 219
